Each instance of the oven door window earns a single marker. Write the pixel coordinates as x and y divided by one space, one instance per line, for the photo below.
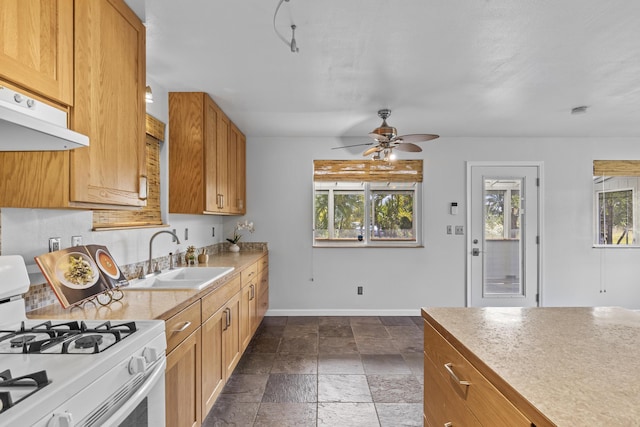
139 417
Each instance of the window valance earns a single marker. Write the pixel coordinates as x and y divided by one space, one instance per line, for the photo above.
367 170
616 168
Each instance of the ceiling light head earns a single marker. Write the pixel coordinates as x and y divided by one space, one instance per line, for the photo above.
579 110
293 44
148 95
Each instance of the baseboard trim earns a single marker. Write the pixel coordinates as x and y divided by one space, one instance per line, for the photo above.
346 312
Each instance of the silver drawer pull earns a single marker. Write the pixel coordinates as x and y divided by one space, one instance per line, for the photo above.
183 328
448 424
449 368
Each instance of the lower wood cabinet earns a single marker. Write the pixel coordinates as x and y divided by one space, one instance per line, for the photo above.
201 355
457 394
262 285
182 376
182 383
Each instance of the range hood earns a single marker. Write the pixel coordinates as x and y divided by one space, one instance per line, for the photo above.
30 125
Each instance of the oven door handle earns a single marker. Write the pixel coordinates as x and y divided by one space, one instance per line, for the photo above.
152 380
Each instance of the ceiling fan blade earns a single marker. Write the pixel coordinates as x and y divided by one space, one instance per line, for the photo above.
379 138
418 137
354 145
371 150
407 146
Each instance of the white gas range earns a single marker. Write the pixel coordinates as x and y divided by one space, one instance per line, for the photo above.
89 373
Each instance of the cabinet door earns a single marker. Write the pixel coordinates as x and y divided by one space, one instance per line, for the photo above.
231 336
182 383
222 172
262 300
247 314
212 133
241 173
232 190
237 170
213 366
36 47
109 108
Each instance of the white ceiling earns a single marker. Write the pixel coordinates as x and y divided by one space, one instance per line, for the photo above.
451 67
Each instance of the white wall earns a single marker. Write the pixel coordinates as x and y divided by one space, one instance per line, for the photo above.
26 231
308 280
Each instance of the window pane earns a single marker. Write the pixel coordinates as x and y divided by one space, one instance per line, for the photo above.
321 220
494 214
615 217
392 213
514 232
348 214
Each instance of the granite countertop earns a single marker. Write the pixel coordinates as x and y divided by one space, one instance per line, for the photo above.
140 303
578 366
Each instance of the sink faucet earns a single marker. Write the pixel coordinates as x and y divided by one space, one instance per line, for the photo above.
151 271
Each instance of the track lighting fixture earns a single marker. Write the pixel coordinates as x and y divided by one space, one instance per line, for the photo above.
293 45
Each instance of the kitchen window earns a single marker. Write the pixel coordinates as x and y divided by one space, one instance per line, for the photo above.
373 211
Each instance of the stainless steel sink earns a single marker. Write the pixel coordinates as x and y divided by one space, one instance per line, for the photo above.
182 278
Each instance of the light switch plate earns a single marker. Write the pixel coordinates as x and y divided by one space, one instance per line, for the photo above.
54 244
459 229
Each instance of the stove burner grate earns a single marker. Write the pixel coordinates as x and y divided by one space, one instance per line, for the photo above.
79 333
35 380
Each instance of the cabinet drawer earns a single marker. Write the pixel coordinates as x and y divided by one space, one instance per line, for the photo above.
182 325
488 405
263 263
249 274
216 299
441 404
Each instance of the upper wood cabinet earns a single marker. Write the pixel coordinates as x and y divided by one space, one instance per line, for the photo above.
206 157
109 107
36 46
238 171
110 58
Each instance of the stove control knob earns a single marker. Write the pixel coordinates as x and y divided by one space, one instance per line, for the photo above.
137 364
61 420
150 354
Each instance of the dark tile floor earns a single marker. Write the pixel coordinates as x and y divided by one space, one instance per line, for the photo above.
327 371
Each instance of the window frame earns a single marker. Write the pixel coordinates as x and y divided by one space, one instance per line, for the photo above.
367 188
634 213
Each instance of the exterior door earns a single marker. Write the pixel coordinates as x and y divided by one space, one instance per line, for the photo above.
503 240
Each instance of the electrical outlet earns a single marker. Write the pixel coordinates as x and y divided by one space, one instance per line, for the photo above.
449 229
173 239
76 240
186 234
360 290
54 244
459 229
213 232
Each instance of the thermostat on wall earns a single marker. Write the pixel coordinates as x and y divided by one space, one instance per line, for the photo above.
453 209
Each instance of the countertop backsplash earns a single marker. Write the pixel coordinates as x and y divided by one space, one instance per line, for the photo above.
41 295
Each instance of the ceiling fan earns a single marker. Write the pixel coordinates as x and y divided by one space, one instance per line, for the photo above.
387 140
